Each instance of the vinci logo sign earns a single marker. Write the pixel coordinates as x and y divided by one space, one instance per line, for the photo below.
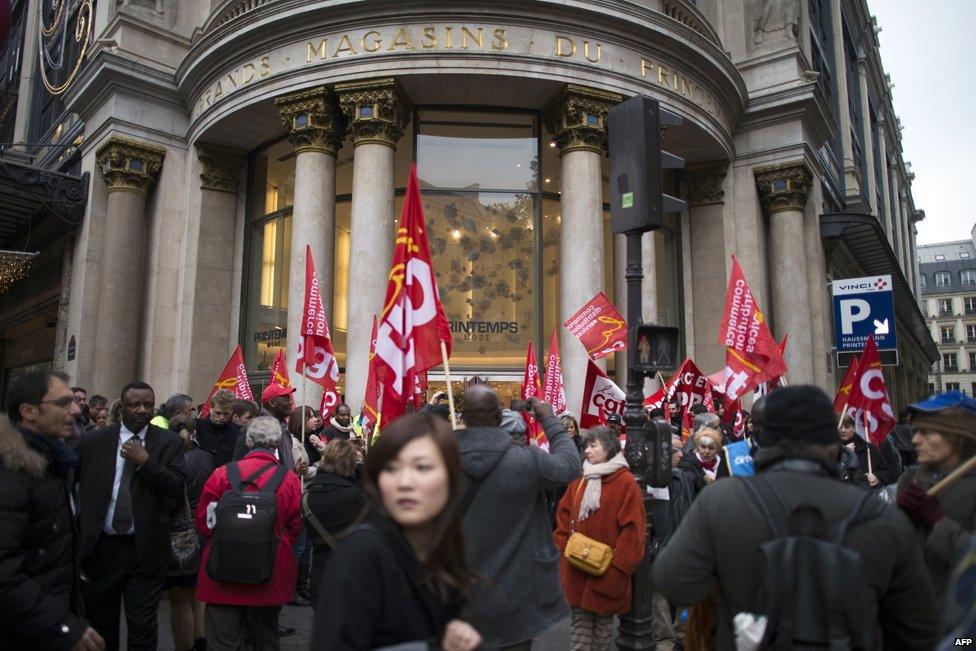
862 307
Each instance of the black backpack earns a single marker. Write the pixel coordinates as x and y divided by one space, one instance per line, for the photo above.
812 588
244 540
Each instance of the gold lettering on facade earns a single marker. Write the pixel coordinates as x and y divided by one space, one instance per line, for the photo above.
586 52
312 50
448 38
218 91
662 75
401 39
429 38
565 46
265 66
247 76
499 39
645 65
467 33
374 44
345 45
232 80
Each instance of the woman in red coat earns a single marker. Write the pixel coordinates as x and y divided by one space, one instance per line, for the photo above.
605 505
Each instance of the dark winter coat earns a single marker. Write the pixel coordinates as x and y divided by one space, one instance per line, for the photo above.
720 537
285 455
218 440
508 533
331 433
38 605
335 502
901 438
943 544
885 473
199 467
373 594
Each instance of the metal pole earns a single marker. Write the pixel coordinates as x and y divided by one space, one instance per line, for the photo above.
635 631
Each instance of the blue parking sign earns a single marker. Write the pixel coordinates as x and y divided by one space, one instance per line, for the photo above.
863 307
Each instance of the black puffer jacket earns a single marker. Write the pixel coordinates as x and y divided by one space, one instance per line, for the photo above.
885 473
38 605
218 440
334 502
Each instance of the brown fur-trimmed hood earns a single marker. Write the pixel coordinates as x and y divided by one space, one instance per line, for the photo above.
15 454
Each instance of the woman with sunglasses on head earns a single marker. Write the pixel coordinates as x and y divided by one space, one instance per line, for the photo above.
400 575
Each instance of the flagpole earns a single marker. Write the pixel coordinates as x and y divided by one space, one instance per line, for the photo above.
450 389
951 477
379 415
843 412
304 398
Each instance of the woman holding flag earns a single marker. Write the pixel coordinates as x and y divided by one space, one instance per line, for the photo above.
873 470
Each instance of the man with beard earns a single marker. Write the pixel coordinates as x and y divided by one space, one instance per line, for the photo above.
340 425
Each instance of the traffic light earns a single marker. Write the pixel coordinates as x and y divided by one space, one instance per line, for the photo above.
656 349
638 202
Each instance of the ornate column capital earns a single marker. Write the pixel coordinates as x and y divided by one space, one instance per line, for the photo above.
577 117
129 164
221 168
313 120
377 110
704 183
783 187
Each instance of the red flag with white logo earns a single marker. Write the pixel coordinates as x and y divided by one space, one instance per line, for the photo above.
371 400
234 378
532 388
752 354
553 391
412 325
601 397
279 373
846 384
868 403
316 358
688 384
599 326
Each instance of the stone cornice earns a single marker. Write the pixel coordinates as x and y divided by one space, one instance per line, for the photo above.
577 118
704 183
221 168
783 187
377 110
313 120
129 164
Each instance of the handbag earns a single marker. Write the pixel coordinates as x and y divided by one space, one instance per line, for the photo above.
584 553
184 544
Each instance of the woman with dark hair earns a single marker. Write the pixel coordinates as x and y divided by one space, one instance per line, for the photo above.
310 453
605 504
331 502
875 474
400 576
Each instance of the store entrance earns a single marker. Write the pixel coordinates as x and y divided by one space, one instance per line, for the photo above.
508 387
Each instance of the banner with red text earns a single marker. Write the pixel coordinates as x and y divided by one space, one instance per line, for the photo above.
599 326
601 397
688 385
532 388
234 378
553 391
316 359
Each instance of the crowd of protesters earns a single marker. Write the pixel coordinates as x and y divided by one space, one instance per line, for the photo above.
472 538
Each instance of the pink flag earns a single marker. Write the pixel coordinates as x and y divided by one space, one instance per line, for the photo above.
553 391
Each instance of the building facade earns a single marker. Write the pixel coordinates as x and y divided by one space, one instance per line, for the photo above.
947 273
221 137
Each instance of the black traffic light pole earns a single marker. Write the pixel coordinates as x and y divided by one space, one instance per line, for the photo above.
638 204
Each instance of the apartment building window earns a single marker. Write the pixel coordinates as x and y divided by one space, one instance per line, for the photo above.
949 362
931 388
942 278
948 334
921 281
972 361
952 386
970 303
971 333
973 389
964 255
967 277
945 306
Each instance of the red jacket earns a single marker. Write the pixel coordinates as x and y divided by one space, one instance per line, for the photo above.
281 588
619 522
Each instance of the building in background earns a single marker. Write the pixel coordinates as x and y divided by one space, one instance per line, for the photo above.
222 136
947 273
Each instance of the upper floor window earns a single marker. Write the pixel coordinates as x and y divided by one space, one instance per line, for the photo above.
971 333
942 278
970 303
945 306
921 281
967 277
949 362
940 258
948 334
964 255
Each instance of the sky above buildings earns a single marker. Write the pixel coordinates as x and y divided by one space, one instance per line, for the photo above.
928 49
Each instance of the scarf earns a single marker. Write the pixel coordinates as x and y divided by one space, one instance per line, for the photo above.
710 467
593 474
341 428
61 457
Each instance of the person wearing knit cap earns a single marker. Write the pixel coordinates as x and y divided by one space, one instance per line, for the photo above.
719 540
944 436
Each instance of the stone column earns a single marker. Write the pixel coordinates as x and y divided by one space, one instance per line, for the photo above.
706 223
28 71
128 169
885 185
895 209
870 182
783 191
377 112
843 89
578 119
209 271
316 131
903 230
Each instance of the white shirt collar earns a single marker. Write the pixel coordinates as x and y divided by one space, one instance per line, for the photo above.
125 433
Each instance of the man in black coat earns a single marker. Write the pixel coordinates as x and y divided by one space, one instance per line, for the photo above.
39 604
216 433
130 475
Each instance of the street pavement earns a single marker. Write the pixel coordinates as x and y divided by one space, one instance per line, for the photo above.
556 639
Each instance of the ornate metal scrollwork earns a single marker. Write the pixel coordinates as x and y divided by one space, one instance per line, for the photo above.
53 44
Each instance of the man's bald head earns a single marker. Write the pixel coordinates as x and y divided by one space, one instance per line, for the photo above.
481 407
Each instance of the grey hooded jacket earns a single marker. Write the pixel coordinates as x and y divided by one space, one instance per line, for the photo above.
509 540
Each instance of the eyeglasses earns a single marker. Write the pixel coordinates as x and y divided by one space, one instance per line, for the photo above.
60 402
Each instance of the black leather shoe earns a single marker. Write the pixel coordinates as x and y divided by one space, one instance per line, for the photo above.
285 631
300 600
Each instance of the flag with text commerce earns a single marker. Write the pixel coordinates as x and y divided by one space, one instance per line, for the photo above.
315 358
553 390
412 324
233 378
846 384
752 355
532 388
599 326
869 404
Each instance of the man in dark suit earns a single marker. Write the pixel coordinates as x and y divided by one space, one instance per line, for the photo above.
129 475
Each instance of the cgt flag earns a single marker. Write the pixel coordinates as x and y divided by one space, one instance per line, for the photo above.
316 358
279 373
601 397
412 324
689 384
869 404
752 355
553 391
234 378
599 327
846 384
532 388
371 405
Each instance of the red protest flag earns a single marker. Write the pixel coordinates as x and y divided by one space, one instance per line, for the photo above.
868 402
687 423
846 384
412 324
371 400
532 388
316 358
689 384
752 354
234 378
279 373
601 397
553 391
599 326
